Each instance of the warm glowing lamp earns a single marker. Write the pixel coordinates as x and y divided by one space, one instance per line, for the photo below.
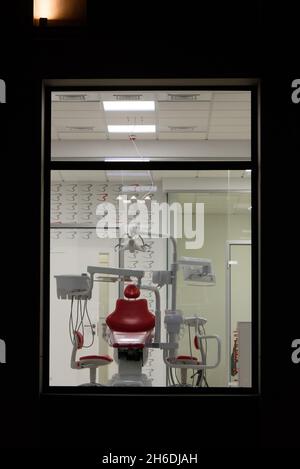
59 12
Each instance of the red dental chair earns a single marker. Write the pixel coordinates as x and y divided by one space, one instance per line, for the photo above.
131 324
130 328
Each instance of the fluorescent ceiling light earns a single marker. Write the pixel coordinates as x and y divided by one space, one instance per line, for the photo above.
132 129
129 105
136 188
126 160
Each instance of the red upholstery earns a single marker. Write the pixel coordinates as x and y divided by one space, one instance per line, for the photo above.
196 343
97 357
79 339
131 316
186 357
183 360
132 291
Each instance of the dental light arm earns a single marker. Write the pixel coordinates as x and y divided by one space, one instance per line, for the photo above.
124 274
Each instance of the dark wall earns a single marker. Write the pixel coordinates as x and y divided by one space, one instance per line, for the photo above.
243 40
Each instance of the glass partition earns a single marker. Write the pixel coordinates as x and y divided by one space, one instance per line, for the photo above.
139 292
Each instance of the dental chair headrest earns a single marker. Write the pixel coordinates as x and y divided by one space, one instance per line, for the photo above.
132 291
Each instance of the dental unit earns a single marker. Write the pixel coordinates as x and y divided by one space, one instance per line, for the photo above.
131 330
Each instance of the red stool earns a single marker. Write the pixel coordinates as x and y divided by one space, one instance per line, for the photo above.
92 362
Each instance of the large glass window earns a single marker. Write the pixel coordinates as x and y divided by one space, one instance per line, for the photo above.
150 276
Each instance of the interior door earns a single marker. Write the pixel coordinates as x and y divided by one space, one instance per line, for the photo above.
238 293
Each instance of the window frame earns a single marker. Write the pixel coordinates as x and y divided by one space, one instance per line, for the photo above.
49 86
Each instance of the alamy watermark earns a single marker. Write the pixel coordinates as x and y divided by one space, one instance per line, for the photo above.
152 220
296 351
296 91
2 92
2 351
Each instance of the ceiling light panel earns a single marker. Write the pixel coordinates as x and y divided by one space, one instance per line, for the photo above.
131 129
130 118
129 105
138 189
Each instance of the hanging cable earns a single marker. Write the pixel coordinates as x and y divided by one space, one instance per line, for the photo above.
79 324
71 325
132 138
90 325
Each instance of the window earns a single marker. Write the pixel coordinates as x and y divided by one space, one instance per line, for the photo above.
152 232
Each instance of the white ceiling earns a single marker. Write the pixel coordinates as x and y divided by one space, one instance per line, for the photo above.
179 115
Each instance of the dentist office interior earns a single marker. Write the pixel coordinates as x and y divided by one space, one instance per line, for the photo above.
150 266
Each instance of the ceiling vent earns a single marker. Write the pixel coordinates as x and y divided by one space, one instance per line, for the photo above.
183 97
72 97
128 97
182 128
80 129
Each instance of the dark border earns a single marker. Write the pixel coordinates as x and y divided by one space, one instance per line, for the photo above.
48 165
